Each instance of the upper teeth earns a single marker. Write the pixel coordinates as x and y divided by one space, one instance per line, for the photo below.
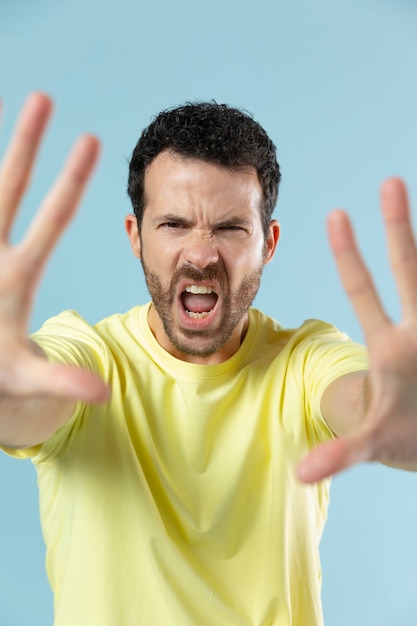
199 289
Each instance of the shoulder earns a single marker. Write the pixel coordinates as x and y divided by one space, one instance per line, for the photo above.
69 337
71 324
312 331
314 348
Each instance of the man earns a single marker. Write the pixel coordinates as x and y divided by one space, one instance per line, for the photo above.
167 440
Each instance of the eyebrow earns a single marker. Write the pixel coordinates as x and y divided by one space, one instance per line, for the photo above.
171 217
233 221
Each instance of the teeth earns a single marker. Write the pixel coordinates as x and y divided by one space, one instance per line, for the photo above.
199 289
198 316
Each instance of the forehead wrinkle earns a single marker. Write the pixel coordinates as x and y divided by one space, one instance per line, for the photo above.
211 192
191 206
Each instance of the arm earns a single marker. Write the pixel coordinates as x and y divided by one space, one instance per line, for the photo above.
36 397
375 414
345 401
28 421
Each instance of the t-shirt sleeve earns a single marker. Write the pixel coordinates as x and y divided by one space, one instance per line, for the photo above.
322 355
67 338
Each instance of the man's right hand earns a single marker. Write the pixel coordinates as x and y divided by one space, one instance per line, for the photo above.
27 380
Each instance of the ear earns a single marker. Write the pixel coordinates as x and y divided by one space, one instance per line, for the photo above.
272 240
131 227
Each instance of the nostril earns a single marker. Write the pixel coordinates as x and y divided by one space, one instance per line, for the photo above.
201 261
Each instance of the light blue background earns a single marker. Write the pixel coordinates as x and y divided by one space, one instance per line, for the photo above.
334 83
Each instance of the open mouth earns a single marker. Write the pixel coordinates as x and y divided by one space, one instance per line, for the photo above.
198 301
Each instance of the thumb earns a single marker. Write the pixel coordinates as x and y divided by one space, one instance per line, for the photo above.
62 381
79 384
333 457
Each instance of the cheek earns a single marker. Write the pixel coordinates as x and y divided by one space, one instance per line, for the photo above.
242 268
246 258
159 257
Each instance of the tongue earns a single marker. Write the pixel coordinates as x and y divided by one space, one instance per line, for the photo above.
199 303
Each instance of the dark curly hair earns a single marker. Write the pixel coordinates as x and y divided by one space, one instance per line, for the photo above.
212 132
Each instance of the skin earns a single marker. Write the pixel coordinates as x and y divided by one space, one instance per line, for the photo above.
36 397
386 429
374 413
201 226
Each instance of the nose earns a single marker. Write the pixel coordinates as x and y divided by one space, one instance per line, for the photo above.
201 251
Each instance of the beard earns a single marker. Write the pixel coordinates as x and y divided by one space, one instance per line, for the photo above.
235 305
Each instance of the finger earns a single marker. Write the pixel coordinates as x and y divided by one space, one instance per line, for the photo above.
61 203
401 242
18 161
38 377
354 275
333 457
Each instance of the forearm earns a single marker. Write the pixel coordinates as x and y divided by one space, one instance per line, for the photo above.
345 402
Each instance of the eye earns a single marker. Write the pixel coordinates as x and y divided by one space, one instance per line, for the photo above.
172 225
231 228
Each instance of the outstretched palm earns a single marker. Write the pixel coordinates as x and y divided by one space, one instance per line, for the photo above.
22 372
388 431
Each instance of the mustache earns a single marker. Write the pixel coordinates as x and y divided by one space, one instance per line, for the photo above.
213 272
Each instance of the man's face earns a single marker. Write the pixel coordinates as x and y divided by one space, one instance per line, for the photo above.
202 249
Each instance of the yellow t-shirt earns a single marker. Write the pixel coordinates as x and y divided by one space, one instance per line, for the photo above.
176 504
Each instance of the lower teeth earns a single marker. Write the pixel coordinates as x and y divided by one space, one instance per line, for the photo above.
198 316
